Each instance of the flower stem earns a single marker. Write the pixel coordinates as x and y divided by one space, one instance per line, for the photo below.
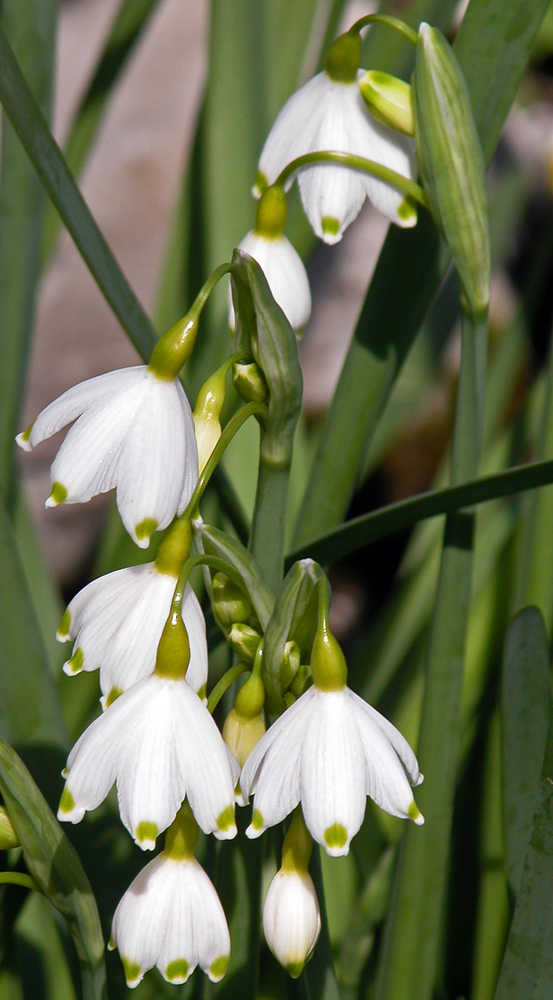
19 878
209 285
223 684
391 22
410 188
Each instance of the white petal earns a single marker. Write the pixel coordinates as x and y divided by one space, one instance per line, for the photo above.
292 132
87 461
191 450
153 462
333 774
286 277
399 743
272 771
386 781
193 618
291 919
140 920
197 931
79 398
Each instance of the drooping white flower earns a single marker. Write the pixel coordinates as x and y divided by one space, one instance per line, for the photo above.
133 431
330 750
158 743
291 919
116 622
285 273
171 917
331 115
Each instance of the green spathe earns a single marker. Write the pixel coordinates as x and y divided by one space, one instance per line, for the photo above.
451 163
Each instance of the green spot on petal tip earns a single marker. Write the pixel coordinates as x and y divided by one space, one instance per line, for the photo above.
225 820
75 664
336 836
132 971
146 833
145 529
257 820
415 814
218 968
113 695
63 631
294 969
407 211
261 184
58 495
177 971
330 225
67 802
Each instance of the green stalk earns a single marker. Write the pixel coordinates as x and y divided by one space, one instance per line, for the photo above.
360 163
268 529
19 878
410 952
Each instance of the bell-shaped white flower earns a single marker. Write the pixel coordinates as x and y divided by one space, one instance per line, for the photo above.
330 750
171 917
158 743
116 623
133 431
291 915
286 276
330 115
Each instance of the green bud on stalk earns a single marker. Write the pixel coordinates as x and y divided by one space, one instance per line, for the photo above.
290 664
8 836
451 163
230 603
389 100
244 641
250 383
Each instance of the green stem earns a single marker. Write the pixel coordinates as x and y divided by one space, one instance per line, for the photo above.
203 559
223 684
267 537
232 428
410 952
209 285
387 19
410 188
19 878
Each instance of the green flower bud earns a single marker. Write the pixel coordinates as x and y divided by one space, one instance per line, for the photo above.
207 412
244 641
302 680
251 697
8 836
297 846
389 100
241 734
230 603
451 163
250 383
344 58
270 219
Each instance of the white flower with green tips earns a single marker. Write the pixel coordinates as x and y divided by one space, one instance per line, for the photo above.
158 743
171 917
286 277
329 751
329 114
133 431
116 624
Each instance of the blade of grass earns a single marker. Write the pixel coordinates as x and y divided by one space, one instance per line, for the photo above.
498 36
30 26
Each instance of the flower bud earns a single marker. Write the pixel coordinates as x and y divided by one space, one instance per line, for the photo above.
250 383
241 734
8 836
244 641
451 163
389 100
302 680
291 916
207 412
290 664
230 603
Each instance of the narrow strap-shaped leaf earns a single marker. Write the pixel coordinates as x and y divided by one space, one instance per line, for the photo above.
525 707
527 969
498 36
55 866
360 531
47 159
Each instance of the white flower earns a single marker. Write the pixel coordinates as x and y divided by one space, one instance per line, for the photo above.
158 742
330 750
133 431
171 917
286 277
328 115
291 919
117 621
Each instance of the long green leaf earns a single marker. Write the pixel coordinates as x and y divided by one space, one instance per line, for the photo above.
495 35
354 534
527 969
30 26
55 866
525 706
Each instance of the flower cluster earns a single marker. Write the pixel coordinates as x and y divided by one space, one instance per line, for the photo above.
143 629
